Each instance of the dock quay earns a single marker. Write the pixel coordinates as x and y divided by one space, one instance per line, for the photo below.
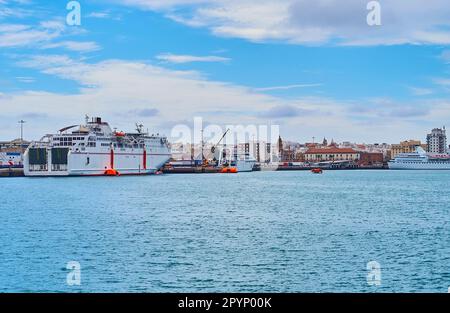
11 172
191 170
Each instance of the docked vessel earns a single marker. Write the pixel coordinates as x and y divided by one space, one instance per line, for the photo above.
245 163
229 157
94 149
10 159
420 160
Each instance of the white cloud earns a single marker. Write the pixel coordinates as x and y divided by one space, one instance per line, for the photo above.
105 90
160 96
162 4
443 83
177 58
98 15
79 46
420 91
288 87
312 22
107 14
16 12
45 35
25 79
17 35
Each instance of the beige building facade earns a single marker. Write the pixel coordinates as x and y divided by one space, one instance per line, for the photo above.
407 146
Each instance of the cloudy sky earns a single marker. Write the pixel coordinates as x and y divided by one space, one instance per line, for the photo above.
316 68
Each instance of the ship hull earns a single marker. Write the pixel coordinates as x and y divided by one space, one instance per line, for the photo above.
97 163
419 166
245 166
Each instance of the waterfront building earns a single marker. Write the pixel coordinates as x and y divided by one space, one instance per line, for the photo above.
288 155
437 141
16 145
371 159
331 154
408 146
333 144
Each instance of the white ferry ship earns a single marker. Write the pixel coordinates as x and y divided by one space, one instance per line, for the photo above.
420 160
95 149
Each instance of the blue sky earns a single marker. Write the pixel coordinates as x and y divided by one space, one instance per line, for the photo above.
313 67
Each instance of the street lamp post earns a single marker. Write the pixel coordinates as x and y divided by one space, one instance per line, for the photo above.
21 122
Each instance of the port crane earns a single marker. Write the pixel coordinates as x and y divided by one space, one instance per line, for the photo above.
213 148
205 162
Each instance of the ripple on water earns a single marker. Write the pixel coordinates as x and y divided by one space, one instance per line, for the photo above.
283 231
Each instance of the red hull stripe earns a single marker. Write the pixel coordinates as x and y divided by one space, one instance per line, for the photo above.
145 160
112 158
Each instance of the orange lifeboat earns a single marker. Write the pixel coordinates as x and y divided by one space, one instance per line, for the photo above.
229 170
317 171
112 172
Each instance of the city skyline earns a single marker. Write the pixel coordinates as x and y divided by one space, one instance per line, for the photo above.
214 135
136 61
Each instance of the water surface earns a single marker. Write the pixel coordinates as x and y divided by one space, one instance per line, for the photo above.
249 232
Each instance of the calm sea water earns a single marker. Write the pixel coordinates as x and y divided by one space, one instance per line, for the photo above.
255 232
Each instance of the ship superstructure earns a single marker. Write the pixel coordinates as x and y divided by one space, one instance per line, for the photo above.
94 149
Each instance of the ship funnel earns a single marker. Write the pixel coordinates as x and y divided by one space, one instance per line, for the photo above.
420 150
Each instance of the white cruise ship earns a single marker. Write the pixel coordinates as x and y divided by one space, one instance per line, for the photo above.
95 149
420 160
